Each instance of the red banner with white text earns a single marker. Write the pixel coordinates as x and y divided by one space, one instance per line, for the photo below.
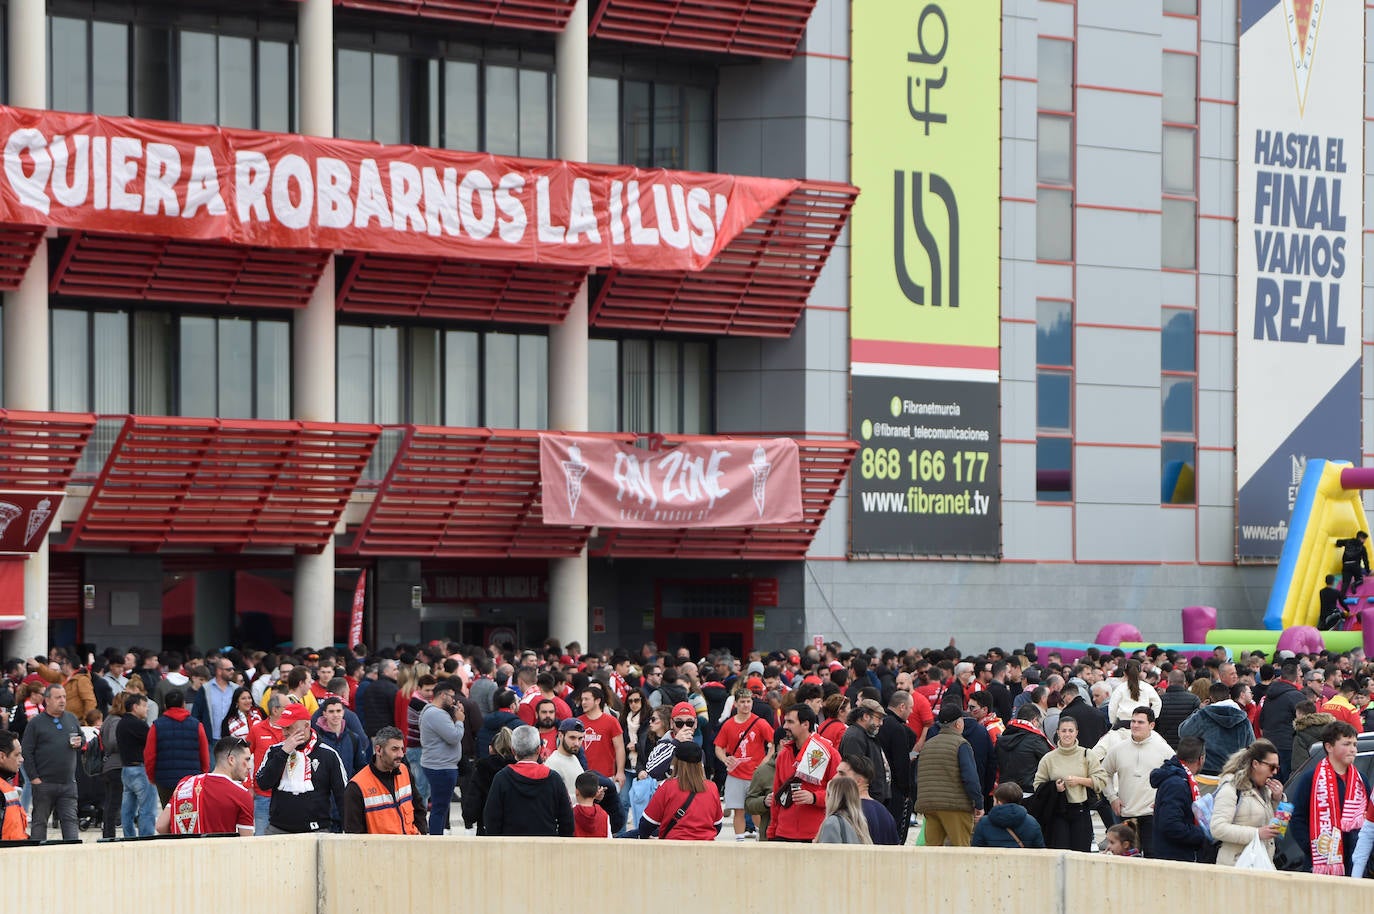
702 483
355 618
186 181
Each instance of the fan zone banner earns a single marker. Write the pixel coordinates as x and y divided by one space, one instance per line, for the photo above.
1300 157
187 181
726 482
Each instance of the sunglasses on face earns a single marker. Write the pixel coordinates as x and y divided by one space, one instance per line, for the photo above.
684 723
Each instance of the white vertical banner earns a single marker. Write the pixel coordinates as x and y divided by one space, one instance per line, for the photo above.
1300 192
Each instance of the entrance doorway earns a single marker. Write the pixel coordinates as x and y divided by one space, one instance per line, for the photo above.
704 616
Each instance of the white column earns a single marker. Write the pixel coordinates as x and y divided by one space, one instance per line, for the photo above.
26 309
313 336
568 341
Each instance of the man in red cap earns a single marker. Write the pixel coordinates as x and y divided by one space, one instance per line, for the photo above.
306 778
682 729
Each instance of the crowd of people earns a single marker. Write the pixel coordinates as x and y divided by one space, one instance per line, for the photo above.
1188 759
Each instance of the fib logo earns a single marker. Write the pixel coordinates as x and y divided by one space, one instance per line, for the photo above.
943 261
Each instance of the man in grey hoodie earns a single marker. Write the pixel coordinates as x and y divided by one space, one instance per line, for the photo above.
441 748
1221 725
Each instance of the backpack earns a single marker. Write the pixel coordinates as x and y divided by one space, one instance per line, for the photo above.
93 756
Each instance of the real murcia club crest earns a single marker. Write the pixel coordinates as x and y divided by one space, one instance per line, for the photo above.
1303 20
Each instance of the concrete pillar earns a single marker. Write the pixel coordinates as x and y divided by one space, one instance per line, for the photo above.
26 309
213 624
568 341
313 336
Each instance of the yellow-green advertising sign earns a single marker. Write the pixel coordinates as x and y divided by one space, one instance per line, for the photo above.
924 297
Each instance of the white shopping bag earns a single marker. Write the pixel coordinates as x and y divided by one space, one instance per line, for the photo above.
1255 856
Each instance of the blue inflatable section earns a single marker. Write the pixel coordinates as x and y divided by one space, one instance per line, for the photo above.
1292 546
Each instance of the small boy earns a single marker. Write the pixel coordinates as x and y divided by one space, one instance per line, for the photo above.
589 819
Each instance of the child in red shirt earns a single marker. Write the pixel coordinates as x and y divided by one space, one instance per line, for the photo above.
589 819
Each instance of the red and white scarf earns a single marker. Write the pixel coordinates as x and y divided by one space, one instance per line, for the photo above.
1029 728
1331 815
299 776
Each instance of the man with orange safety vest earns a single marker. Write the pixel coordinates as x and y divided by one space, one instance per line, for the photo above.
380 800
14 824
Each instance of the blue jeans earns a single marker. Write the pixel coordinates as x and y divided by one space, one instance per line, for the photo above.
138 810
417 774
261 806
441 784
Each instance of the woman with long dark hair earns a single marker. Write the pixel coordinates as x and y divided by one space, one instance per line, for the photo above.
242 714
1248 795
1132 693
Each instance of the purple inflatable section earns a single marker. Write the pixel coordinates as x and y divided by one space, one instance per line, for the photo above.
1300 639
1197 622
1114 633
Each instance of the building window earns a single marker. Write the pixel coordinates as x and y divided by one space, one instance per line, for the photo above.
369 96
88 66
235 81
1178 396
90 361
665 125
1054 400
665 387
1054 150
460 378
1181 7
1178 222
234 368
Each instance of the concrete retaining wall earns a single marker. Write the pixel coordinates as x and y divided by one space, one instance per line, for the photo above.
339 875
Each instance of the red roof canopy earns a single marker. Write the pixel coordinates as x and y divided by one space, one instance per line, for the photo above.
224 483
158 269
464 492
537 15
40 451
475 493
757 286
759 28
458 290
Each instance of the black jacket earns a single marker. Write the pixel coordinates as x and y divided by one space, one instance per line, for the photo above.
1001 699
896 740
1176 703
528 799
302 813
1177 836
377 707
1018 755
1276 720
1092 725
856 741
475 799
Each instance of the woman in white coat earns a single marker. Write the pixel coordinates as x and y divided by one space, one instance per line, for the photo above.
1248 794
1132 693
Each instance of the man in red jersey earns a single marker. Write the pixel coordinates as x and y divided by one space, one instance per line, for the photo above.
215 803
741 743
605 741
546 721
806 763
263 736
542 692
